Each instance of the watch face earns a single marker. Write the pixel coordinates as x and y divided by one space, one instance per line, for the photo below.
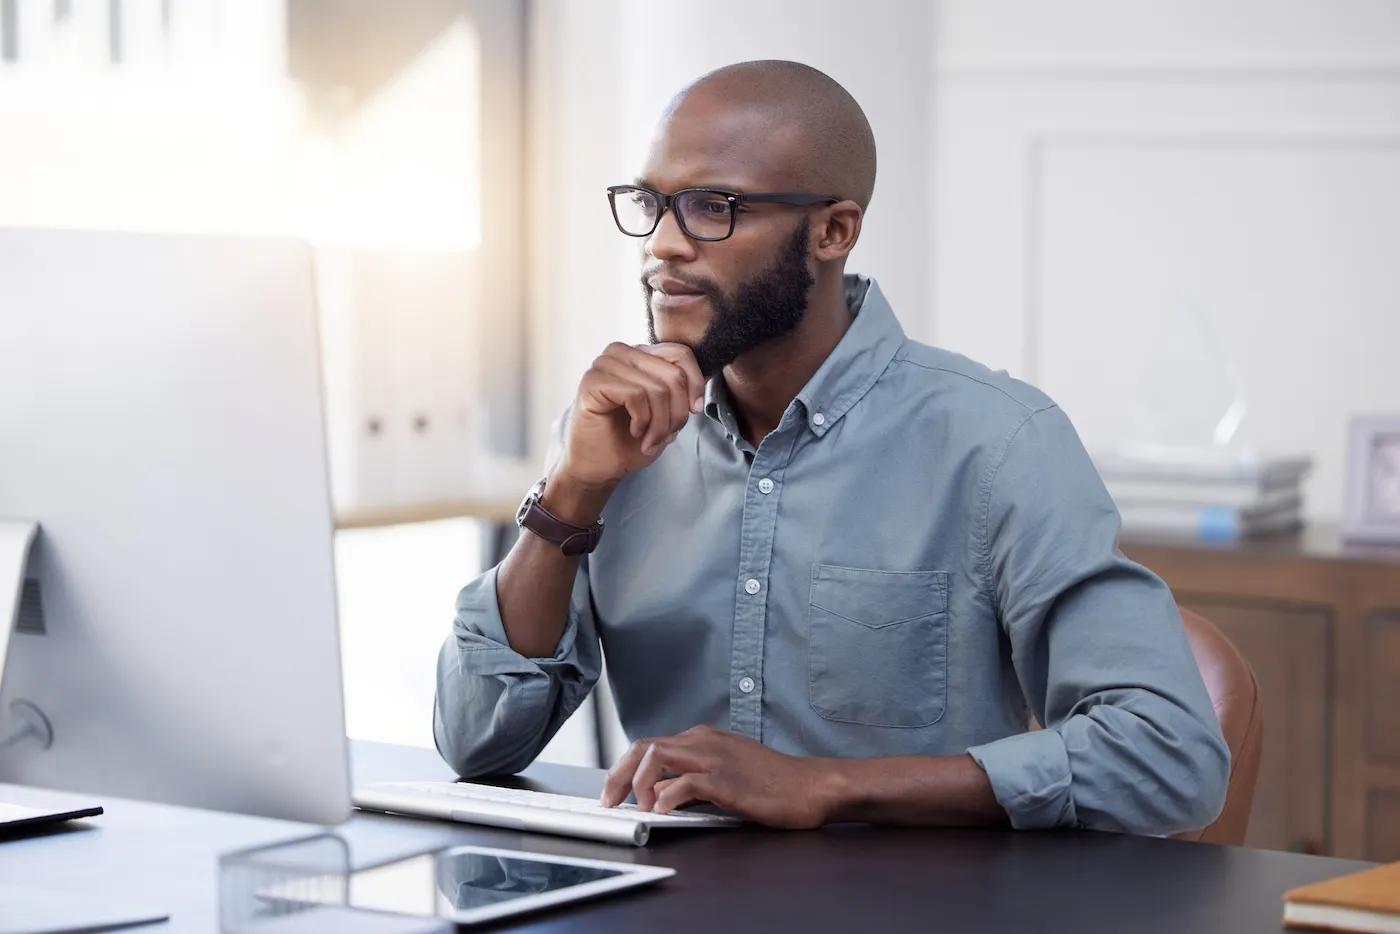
1383 477
530 499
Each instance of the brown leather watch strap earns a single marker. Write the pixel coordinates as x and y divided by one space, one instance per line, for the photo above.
573 540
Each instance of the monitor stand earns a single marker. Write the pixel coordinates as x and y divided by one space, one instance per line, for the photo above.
26 908
35 910
16 538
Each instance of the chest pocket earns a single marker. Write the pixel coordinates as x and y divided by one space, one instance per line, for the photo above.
877 646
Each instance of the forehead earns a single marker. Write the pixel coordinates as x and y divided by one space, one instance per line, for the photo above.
703 143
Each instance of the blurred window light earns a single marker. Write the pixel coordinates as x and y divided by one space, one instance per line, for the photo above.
403 169
396 589
179 116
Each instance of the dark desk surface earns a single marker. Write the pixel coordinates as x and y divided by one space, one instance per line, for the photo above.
839 879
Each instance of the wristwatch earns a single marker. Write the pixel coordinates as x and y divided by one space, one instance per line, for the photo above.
573 540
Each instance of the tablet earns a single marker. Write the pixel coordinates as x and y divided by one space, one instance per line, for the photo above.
475 884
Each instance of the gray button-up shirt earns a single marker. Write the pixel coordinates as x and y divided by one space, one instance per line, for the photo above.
919 557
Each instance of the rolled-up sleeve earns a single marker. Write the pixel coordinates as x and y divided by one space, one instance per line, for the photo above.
495 709
1131 740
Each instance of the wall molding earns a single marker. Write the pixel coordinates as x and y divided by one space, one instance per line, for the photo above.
1039 145
1166 74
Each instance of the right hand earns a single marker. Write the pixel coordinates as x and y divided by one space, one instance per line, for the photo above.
631 404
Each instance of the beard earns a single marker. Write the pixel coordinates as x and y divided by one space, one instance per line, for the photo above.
762 308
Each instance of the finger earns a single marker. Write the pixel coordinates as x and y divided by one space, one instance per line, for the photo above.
666 382
619 781
683 357
649 771
627 394
619 380
678 792
675 379
665 760
602 393
633 399
659 405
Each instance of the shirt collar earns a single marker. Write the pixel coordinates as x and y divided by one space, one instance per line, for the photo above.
719 408
846 375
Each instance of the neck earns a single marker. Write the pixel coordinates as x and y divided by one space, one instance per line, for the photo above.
763 382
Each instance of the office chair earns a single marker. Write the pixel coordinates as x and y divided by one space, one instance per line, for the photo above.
1235 694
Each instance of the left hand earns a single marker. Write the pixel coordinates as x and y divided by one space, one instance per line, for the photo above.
743 777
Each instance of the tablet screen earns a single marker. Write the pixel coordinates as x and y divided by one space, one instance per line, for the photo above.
464 880
474 880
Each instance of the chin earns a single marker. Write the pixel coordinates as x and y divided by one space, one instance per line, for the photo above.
672 328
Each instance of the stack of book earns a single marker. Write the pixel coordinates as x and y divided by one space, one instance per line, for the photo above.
1205 494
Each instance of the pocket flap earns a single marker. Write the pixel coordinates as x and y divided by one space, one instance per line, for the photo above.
879 598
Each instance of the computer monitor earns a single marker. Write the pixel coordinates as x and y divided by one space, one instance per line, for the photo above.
161 419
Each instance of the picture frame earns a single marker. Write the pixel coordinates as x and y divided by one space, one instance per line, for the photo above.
1372 511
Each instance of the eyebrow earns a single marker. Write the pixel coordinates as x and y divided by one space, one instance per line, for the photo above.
732 189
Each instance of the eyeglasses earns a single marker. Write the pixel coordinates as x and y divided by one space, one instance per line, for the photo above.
703 213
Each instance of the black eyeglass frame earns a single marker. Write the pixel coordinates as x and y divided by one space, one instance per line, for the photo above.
734 198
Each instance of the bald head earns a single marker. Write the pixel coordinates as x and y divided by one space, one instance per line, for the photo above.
798 127
774 128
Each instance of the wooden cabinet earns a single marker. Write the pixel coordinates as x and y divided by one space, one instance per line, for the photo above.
1320 624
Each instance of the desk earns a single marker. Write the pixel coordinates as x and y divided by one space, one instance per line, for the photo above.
840 879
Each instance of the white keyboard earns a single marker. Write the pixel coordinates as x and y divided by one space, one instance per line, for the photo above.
534 811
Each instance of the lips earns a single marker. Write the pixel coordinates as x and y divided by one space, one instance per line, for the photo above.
674 288
672 295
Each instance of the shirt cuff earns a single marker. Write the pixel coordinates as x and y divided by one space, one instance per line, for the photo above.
1030 777
480 629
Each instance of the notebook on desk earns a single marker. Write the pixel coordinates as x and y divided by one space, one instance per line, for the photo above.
15 819
1365 902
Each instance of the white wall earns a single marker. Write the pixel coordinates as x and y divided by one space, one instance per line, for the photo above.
1067 189
1108 174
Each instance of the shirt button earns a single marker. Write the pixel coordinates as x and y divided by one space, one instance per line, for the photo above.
765 485
819 419
752 586
746 685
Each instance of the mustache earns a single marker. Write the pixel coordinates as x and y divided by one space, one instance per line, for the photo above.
707 286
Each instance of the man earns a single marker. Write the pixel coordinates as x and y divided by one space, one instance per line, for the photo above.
840 568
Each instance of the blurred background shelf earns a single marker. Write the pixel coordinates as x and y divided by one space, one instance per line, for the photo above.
498 511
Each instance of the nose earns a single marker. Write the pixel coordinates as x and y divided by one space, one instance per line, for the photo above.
669 242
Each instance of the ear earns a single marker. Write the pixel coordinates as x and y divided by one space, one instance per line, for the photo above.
835 231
